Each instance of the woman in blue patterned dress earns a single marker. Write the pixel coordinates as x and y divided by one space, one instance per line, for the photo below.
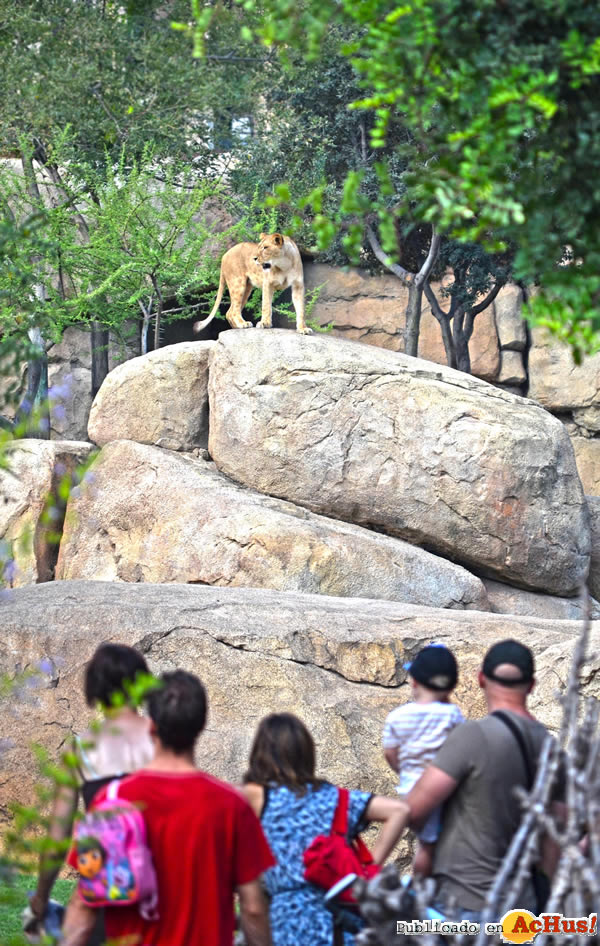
294 807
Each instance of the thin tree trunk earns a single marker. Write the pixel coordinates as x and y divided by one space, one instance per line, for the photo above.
99 342
414 282
445 321
461 342
158 316
413 319
99 337
37 367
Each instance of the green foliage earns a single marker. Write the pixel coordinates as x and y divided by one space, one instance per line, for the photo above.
136 238
501 104
306 135
115 74
13 899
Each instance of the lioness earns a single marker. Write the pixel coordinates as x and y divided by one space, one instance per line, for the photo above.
273 264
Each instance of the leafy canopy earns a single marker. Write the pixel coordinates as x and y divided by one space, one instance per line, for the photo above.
503 99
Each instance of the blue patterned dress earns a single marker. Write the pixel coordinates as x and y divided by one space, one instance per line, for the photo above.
290 822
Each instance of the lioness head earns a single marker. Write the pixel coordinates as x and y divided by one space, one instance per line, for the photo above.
269 249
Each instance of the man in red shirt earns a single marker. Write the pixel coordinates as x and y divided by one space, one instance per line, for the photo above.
206 842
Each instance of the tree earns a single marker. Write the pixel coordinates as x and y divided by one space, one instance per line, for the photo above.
312 138
477 278
507 98
138 242
113 75
81 83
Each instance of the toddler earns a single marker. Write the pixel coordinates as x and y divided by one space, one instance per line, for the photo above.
414 732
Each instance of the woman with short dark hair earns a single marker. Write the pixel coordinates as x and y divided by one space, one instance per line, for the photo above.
294 807
120 745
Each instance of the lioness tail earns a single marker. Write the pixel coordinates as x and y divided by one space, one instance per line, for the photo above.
198 326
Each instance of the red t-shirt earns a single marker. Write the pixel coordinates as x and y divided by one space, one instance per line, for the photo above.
205 840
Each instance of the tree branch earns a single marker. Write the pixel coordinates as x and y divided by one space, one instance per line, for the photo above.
434 248
403 275
476 309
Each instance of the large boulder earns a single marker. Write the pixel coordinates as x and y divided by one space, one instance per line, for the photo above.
426 453
159 398
553 666
336 662
32 507
158 516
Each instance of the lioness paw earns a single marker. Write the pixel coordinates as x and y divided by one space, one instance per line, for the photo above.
305 331
262 325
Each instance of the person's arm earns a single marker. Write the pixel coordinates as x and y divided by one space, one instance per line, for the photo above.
391 757
78 923
395 814
60 827
431 790
254 795
254 914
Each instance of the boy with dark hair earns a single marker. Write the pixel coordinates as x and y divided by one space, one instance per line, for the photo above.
415 731
205 840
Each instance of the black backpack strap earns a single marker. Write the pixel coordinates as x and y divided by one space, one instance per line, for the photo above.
516 731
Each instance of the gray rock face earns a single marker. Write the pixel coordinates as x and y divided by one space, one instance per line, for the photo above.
337 663
159 398
593 503
422 452
506 600
35 469
158 516
587 457
558 383
509 318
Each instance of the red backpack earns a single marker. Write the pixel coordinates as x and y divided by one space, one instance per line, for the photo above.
332 857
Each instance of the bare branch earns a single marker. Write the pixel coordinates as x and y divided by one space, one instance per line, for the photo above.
434 248
403 274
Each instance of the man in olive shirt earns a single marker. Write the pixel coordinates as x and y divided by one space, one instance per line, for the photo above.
475 774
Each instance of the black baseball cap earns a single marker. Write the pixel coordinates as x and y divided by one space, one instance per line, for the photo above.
513 653
434 667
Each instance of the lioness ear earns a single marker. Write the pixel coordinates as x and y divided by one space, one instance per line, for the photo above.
278 239
263 236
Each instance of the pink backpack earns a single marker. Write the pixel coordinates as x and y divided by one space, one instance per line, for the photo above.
113 858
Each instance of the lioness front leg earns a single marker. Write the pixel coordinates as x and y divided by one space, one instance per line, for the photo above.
298 300
238 296
267 306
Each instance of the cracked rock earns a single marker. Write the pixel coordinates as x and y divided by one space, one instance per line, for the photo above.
156 515
335 662
416 450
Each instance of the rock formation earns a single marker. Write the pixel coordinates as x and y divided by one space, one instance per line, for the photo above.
336 662
425 453
31 511
159 398
154 515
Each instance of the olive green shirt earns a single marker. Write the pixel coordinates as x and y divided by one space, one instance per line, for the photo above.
482 815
